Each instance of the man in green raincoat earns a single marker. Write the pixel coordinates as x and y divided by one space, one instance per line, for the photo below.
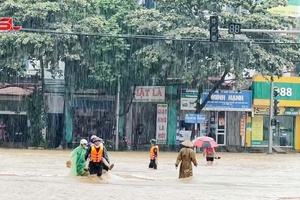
78 160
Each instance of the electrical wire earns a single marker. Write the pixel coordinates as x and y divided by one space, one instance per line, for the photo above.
155 37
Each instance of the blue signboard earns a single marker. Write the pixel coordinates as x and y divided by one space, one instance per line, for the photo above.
193 119
229 100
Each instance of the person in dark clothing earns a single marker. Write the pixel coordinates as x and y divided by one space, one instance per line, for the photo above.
95 153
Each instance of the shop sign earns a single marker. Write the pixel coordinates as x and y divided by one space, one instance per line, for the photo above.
194 118
229 100
291 111
261 110
188 100
257 130
161 123
281 111
149 94
288 91
6 24
242 126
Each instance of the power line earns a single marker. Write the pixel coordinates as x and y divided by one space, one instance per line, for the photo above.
129 36
154 37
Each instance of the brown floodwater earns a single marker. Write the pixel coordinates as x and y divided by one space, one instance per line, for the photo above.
43 175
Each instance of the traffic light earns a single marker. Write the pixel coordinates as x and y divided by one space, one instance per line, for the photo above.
276 91
213 28
276 110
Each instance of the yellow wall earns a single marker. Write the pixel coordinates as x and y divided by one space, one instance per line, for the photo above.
259 78
266 102
297 134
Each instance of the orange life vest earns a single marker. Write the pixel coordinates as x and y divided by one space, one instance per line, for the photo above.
96 156
152 155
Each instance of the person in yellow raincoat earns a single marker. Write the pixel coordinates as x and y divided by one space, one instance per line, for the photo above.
186 157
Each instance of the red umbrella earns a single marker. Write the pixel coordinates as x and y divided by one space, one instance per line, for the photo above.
205 142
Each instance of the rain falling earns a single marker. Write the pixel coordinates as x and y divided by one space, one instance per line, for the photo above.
135 71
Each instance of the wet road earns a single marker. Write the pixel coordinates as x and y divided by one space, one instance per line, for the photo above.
42 175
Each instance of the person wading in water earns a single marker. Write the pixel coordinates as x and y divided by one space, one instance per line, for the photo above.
95 154
154 150
77 162
186 157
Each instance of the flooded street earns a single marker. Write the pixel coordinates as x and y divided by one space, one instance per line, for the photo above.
42 175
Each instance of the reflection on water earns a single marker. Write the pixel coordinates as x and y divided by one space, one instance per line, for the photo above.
39 174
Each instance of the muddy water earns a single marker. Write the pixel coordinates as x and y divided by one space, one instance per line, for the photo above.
42 175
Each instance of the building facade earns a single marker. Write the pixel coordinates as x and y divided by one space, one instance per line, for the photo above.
286 133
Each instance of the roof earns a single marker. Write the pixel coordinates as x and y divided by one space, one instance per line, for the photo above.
17 91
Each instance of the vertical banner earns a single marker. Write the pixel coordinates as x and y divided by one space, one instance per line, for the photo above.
243 130
161 123
242 126
257 130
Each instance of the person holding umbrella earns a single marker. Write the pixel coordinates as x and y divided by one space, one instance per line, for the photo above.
209 145
210 154
186 157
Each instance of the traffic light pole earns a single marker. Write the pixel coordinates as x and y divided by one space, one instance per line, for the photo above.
270 151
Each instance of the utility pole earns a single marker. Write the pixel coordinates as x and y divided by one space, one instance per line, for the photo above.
118 114
270 151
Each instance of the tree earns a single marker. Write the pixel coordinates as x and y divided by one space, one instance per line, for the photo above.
189 56
172 42
36 116
85 53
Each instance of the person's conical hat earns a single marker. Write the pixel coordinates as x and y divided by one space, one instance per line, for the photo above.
187 143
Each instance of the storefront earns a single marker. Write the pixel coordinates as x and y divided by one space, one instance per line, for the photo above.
93 115
150 116
225 115
13 117
286 132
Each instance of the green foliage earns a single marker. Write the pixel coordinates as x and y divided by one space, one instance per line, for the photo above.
37 116
102 57
106 58
194 60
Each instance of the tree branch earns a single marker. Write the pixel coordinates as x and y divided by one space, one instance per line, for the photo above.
130 103
199 106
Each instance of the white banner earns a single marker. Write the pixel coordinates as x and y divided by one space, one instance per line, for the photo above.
184 135
161 123
188 103
149 94
188 99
